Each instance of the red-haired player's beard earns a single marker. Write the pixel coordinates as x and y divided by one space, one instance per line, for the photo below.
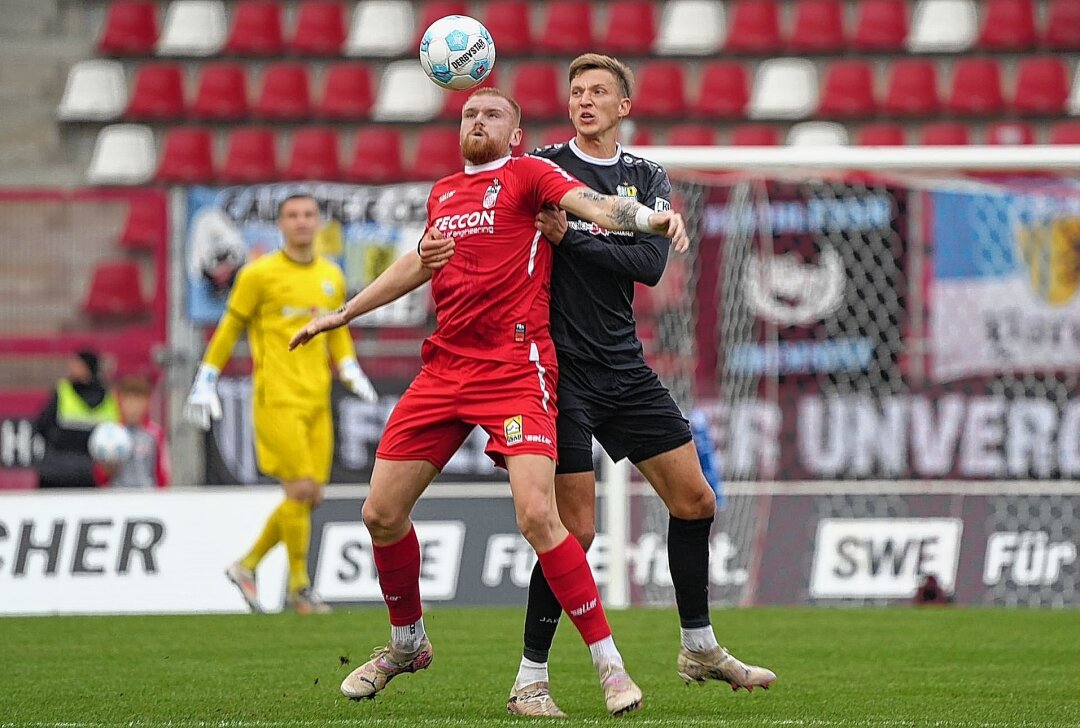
479 150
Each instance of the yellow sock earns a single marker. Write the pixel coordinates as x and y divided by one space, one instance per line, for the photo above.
268 539
295 520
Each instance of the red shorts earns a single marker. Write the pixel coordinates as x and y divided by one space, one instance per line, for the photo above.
514 403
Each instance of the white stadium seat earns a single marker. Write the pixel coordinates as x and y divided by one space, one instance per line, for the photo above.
943 26
406 94
382 28
123 155
95 91
193 28
817 134
784 88
691 27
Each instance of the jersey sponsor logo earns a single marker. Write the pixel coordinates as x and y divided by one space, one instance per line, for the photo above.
291 311
593 229
626 190
447 195
661 205
491 195
513 430
467 223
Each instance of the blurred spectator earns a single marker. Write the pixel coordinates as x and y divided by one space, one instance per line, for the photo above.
80 402
148 466
931 592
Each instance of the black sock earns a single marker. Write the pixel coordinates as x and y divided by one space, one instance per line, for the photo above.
688 561
541 617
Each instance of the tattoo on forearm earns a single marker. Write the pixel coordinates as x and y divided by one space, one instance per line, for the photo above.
592 196
623 212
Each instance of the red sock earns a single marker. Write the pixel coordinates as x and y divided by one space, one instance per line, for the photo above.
568 574
399 577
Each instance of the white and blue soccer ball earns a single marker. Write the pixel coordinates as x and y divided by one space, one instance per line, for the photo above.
110 443
457 52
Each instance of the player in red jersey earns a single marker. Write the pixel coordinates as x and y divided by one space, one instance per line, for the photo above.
489 363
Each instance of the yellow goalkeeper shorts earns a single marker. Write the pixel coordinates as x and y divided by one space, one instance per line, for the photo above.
294 443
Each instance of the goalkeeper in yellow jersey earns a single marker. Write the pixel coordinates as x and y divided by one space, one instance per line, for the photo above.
294 438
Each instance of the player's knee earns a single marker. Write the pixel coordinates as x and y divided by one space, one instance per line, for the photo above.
382 523
535 520
695 504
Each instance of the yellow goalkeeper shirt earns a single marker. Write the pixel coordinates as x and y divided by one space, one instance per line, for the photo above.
273 297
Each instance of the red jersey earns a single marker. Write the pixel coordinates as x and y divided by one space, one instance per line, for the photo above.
492 298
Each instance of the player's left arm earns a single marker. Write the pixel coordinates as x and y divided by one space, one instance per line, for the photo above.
343 353
622 213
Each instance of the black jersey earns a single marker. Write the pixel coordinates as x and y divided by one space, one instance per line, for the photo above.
592 282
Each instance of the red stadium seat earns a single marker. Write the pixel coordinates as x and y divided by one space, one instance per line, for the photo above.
131 28
692 135
222 93
115 290
158 93
348 92
848 90
724 92
285 94
146 228
755 27
946 133
819 27
912 88
536 87
314 155
976 87
438 154
881 135
188 157
1008 25
435 9
251 156
1042 86
256 29
455 100
631 27
755 135
568 28
1063 25
1010 132
660 91
509 22
1065 132
376 156
881 25
642 137
320 28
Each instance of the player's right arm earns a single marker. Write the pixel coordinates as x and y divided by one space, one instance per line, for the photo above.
623 213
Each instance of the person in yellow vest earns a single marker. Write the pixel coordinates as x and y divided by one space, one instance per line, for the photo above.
294 437
80 402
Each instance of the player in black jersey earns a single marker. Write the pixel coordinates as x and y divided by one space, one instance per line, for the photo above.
606 390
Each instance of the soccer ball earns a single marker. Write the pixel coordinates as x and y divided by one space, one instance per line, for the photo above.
457 52
110 443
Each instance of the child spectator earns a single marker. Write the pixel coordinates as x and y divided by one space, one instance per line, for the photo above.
148 466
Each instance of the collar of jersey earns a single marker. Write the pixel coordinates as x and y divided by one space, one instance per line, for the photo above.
478 168
609 162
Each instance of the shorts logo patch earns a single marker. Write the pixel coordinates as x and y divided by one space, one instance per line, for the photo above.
519 332
513 430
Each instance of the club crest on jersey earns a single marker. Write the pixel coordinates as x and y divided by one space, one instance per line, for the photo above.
513 430
491 195
626 190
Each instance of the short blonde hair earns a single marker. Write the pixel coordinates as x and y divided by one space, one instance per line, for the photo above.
620 70
492 91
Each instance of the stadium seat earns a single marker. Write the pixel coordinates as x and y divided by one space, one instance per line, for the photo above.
1010 132
432 10
942 26
976 87
536 87
158 93
784 88
221 94
912 88
568 28
692 135
146 227
453 101
438 154
881 135
1008 25
881 25
509 22
1042 86
188 157
755 135
285 94
376 156
193 28
380 28
691 28
817 134
724 90
945 133
406 94
95 91
819 27
639 136
123 155
320 28
660 90
755 27
256 29
131 28
115 290
348 92
1065 132
250 156
631 27
1063 25
848 90
314 155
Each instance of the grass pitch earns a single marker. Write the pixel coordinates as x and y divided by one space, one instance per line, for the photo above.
894 668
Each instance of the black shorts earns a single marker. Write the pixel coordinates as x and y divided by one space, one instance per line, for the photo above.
629 411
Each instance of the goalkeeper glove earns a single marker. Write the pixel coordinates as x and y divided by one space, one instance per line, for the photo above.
203 404
353 377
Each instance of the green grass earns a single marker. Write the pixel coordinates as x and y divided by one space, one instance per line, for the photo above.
864 668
